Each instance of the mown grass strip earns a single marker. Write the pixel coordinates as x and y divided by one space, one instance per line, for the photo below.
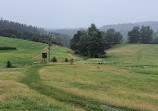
32 79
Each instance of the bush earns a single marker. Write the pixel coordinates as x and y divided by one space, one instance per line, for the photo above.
71 61
54 59
66 60
7 48
9 65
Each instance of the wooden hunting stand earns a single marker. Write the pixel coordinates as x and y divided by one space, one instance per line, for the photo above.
44 57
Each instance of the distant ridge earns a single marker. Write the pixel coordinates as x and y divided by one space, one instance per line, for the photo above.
126 27
129 26
122 28
69 32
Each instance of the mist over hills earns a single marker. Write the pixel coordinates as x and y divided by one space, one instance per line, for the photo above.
125 28
122 28
129 26
69 32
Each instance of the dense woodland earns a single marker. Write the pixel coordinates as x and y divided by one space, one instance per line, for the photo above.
22 31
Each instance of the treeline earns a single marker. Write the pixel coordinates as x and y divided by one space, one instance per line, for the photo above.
155 38
143 35
92 42
111 37
22 31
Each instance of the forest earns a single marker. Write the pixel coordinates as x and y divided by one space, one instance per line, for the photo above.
91 42
28 32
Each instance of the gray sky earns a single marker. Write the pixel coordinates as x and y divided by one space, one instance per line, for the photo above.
78 13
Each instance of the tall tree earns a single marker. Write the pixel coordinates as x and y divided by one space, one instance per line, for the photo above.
88 43
96 45
75 40
146 34
134 35
112 37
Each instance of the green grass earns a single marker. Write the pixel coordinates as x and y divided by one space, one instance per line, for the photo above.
127 80
62 53
27 52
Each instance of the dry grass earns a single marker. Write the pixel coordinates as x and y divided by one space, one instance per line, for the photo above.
17 96
121 82
109 84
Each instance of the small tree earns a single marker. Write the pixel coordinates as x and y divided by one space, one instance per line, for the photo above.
66 60
9 64
54 59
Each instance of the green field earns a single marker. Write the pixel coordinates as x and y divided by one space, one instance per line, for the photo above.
126 80
28 52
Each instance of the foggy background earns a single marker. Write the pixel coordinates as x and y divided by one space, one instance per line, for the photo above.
78 13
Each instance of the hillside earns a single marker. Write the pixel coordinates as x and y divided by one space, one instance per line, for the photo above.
124 28
28 52
129 26
25 53
126 80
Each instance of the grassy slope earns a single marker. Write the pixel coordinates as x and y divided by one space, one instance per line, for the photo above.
127 80
26 52
15 92
62 53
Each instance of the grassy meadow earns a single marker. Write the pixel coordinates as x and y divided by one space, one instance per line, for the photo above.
27 52
126 80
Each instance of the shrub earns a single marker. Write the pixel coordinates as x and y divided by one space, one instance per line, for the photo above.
66 60
54 59
9 65
7 48
71 61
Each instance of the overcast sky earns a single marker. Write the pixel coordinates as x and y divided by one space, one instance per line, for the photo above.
78 13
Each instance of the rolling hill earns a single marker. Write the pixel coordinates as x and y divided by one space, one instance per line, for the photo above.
27 52
126 80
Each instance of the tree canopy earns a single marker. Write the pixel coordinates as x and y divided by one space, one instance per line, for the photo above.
143 35
88 43
28 32
111 37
